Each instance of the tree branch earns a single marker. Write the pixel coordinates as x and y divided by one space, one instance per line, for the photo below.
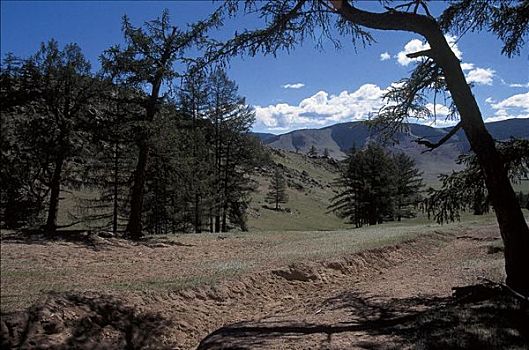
431 146
390 20
423 53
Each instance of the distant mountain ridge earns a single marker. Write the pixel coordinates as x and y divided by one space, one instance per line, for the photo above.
339 138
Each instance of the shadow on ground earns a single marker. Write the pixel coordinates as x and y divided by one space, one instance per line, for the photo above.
486 318
82 321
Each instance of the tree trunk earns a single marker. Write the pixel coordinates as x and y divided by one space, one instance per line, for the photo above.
198 224
225 217
513 227
211 220
55 187
217 223
115 190
134 228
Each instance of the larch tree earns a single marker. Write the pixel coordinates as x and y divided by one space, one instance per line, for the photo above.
147 64
51 104
408 184
368 187
288 23
231 119
108 170
466 189
277 190
193 103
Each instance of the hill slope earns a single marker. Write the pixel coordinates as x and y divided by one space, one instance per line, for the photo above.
309 190
339 138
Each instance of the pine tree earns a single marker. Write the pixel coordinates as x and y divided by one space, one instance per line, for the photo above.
375 186
277 190
51 105
408 183
108 171
231 119
148 61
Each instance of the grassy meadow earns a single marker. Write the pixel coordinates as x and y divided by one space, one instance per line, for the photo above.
174 262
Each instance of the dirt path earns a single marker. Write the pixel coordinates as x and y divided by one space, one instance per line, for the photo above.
346 303
343 315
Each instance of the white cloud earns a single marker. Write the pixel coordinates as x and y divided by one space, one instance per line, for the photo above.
516 101
412 46
517 85
384 56
516 106
439 122
417 45
439 110
467 66
322 109
293 86
481 76
490 100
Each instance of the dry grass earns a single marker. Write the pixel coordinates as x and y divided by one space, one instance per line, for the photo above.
31 269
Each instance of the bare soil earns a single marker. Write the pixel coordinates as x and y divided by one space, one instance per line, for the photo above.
397 296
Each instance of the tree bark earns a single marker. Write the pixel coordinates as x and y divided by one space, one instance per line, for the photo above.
512 224
115 190
513 227
134 227
198 223
55 191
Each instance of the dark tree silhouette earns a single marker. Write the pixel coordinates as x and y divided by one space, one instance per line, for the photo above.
52 103
375 186
147 60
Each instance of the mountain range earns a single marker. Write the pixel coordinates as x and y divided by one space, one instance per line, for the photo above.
339 138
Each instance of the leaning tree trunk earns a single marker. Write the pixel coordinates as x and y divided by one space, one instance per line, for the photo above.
55 191
513 227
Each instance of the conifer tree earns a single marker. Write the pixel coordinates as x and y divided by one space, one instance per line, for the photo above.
408 183
231 119
147 62
466 190
107 172
51 105
277 189
375 186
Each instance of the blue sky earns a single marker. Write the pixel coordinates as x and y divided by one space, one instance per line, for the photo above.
305 88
